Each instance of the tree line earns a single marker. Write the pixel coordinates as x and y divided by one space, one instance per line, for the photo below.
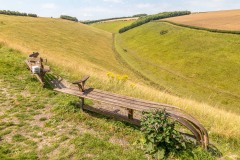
69 18
146 19
115 18
16 13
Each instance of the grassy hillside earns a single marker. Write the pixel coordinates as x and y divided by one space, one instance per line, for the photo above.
186 62
73 50
62 42
112 27
38 123
222 20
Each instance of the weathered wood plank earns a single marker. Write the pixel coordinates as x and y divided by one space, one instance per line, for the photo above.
129 103
112 115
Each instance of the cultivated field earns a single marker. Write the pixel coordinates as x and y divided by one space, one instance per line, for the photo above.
75 49
222 20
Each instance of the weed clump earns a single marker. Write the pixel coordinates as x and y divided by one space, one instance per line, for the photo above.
162 32
161 137
117 77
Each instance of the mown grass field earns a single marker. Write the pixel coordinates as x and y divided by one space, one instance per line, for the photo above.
186 62
74 49
112 26
223 20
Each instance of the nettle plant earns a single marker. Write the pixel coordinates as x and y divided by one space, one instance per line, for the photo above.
161 137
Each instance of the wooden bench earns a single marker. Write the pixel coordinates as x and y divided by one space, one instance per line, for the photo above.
131 105
34 60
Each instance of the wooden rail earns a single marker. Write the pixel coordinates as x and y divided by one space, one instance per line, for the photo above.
130 104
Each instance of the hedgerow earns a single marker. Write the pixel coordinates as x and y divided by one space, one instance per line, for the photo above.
146 19
16 13
202 28
69 18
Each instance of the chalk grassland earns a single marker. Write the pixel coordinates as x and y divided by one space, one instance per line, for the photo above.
37 123
222 20
186 62
74 50
77 46
112 27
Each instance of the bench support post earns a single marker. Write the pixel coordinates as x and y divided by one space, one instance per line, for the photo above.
130 113
81 103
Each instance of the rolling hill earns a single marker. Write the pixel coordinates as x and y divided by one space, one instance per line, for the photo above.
112 26
61 41
222 20
186 62
74 49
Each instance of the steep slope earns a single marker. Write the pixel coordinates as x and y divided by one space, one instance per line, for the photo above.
74 49
197 64
222 20
74 45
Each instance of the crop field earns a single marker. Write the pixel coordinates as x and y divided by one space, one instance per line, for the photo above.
73 50
222 20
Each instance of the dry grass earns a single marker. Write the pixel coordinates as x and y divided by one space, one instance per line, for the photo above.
79 49
222 20
112 26
62 42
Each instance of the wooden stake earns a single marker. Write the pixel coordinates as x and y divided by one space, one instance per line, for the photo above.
130 113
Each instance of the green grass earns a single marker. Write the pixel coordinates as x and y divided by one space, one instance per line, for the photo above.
186 62
67 132
26 98
25 132
112 27
62 42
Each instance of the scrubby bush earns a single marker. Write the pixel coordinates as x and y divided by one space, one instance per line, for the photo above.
146 19
162 32
161 137
69 18
16 13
